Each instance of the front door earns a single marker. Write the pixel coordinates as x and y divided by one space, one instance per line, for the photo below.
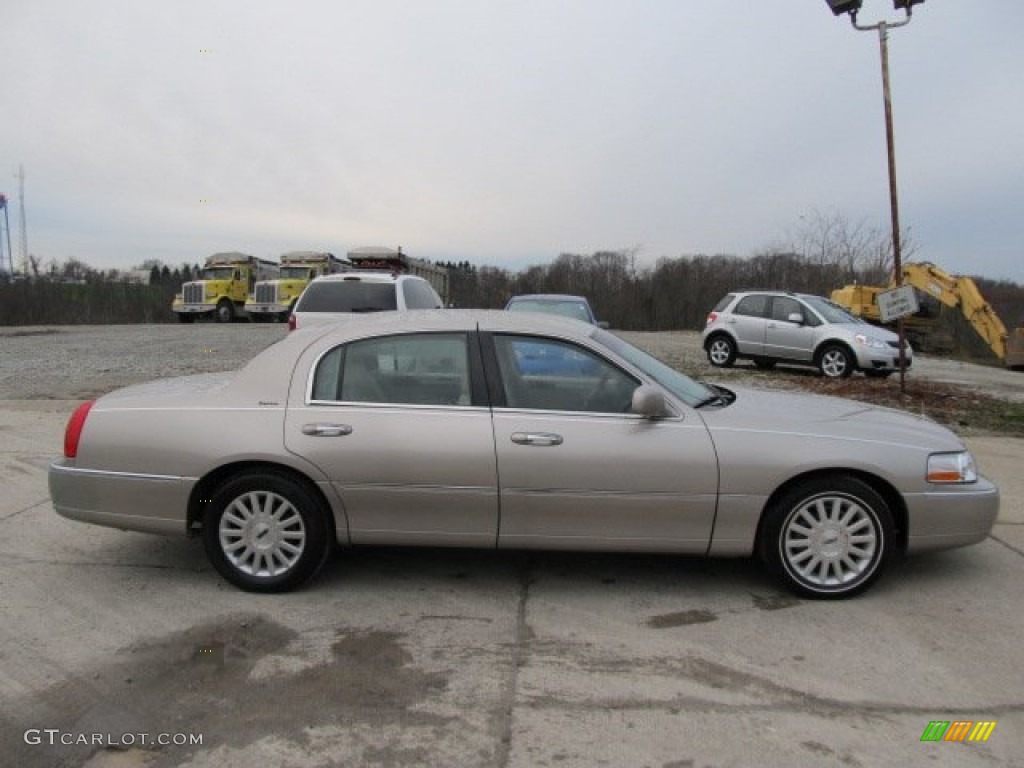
578 471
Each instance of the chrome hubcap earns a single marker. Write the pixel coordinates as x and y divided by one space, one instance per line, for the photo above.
830 541
262 534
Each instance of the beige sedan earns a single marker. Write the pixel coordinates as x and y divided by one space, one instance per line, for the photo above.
507 430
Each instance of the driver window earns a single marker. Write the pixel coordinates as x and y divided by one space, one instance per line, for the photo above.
551 375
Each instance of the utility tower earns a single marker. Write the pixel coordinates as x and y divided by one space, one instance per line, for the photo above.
6 258
23 239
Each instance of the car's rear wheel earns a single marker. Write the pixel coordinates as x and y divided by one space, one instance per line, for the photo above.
829 537
721 351
266 532
835 362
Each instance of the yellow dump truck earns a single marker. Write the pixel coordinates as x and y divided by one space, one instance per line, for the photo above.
954 291
222 288
274 299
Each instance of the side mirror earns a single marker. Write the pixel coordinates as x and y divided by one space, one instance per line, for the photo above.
649 402
796 317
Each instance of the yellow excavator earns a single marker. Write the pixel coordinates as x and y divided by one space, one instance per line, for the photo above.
952 290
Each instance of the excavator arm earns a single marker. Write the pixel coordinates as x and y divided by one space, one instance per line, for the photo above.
960 293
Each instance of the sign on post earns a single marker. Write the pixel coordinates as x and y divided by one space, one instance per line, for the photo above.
897 303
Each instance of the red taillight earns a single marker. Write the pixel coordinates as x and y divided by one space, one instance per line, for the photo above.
292 325
712 316
74 430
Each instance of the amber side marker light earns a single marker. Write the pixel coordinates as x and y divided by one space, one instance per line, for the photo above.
74 429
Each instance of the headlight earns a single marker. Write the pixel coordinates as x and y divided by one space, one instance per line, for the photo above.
869 341
952 468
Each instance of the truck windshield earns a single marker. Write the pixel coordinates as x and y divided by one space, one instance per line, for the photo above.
218 273
294 273
347 296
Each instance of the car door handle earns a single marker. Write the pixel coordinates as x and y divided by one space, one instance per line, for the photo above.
536 438
321 429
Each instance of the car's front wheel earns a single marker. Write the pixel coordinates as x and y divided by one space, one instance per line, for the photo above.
721 351
828 537
835 362
266 532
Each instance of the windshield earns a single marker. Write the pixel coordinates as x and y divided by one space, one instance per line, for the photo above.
682 386
218 273
347 296
577 310
832 312
294 273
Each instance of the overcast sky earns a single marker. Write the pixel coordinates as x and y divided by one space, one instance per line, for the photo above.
504 132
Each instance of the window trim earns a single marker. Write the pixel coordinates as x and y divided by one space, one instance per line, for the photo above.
496 386
475 370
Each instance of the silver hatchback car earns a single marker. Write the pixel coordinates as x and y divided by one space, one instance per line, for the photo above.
771 327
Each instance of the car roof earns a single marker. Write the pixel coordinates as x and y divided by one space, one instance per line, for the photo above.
792 294
369 276
439 320
547 297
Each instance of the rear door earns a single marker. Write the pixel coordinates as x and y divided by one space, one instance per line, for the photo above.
400 425
747 321
576 470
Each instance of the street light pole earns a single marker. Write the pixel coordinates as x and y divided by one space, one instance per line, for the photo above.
852 7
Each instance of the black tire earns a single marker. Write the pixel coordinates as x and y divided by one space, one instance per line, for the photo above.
835 362
266 532
184 317
721 351
225 311
828 537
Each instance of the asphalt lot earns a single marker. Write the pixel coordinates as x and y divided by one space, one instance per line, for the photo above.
463 658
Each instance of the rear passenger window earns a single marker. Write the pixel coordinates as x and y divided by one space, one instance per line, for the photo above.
416 369
755 306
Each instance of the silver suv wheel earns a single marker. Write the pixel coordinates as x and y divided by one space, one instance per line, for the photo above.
835 363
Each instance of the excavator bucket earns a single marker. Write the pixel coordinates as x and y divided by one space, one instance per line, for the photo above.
1015 349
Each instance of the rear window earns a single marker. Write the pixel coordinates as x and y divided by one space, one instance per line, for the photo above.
725 302
577 310
347 296
419 295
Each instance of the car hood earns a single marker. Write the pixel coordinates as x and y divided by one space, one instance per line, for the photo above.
821 416
871 331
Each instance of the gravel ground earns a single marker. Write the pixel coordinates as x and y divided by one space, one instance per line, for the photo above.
79 362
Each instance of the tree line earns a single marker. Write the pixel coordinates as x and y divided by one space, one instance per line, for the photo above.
824 252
